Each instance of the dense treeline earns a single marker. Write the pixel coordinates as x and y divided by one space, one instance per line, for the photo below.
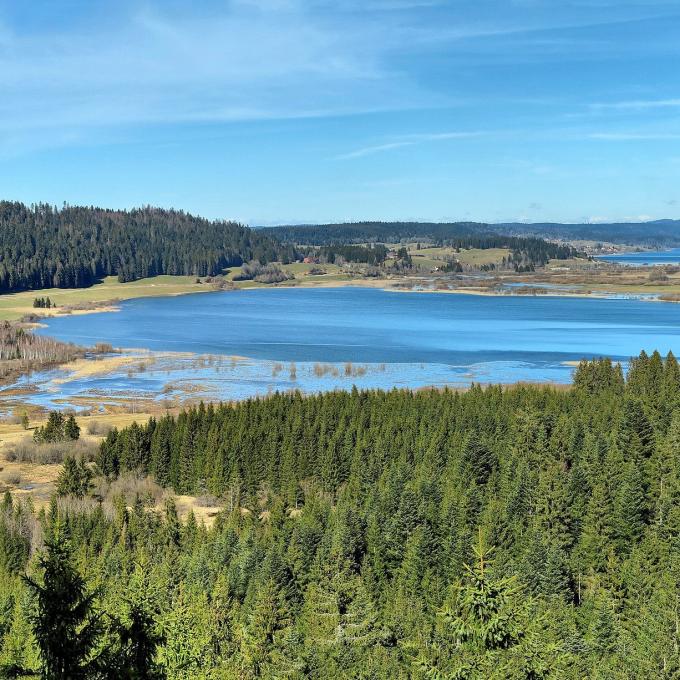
381 232
526 251
44 247
356 536
374 254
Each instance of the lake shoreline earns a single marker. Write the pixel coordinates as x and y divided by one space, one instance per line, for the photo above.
35 320
242 346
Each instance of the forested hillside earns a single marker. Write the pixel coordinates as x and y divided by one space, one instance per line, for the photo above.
530 250
381 232
44 247
525 532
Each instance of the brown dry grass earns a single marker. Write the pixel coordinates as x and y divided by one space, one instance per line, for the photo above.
37 481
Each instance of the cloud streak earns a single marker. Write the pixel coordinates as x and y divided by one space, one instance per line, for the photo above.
406 140
256 60
78 80
638 105
634 136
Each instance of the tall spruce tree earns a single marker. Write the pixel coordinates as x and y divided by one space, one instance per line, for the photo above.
66 626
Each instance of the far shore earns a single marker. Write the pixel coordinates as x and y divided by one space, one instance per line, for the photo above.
387 285
107 295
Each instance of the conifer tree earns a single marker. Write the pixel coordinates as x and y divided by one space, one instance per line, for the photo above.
71 429
65 624
133 656
264 630
75 478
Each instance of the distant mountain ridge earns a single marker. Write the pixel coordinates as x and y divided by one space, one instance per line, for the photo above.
362 232
657 233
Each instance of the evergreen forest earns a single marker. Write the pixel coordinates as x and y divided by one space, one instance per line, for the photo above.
533 249
520 532
74 247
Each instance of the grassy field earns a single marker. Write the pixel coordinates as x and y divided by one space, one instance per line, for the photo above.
475 256
299 270
15 305
334 276
433 257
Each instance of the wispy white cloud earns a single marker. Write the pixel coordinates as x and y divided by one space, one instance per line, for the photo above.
370 150
637 105
249 60
442 136
634 136
406 140
153 63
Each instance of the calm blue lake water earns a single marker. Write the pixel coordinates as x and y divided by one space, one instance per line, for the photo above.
647 258
302 338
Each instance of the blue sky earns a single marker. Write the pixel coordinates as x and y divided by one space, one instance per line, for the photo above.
273 111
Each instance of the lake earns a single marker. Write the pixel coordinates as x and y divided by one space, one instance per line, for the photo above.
644 259
233 345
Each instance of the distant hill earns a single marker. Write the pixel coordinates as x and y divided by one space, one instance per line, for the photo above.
527 251
379 232
659 233
44 247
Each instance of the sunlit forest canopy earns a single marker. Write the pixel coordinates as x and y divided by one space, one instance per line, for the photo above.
73 247
515 532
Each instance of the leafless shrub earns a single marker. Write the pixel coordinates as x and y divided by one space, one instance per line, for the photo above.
131 485
21 351
95 427
658 274
262 273
90 304
28 451
207 501
104 348
220 283
24 521
353 371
